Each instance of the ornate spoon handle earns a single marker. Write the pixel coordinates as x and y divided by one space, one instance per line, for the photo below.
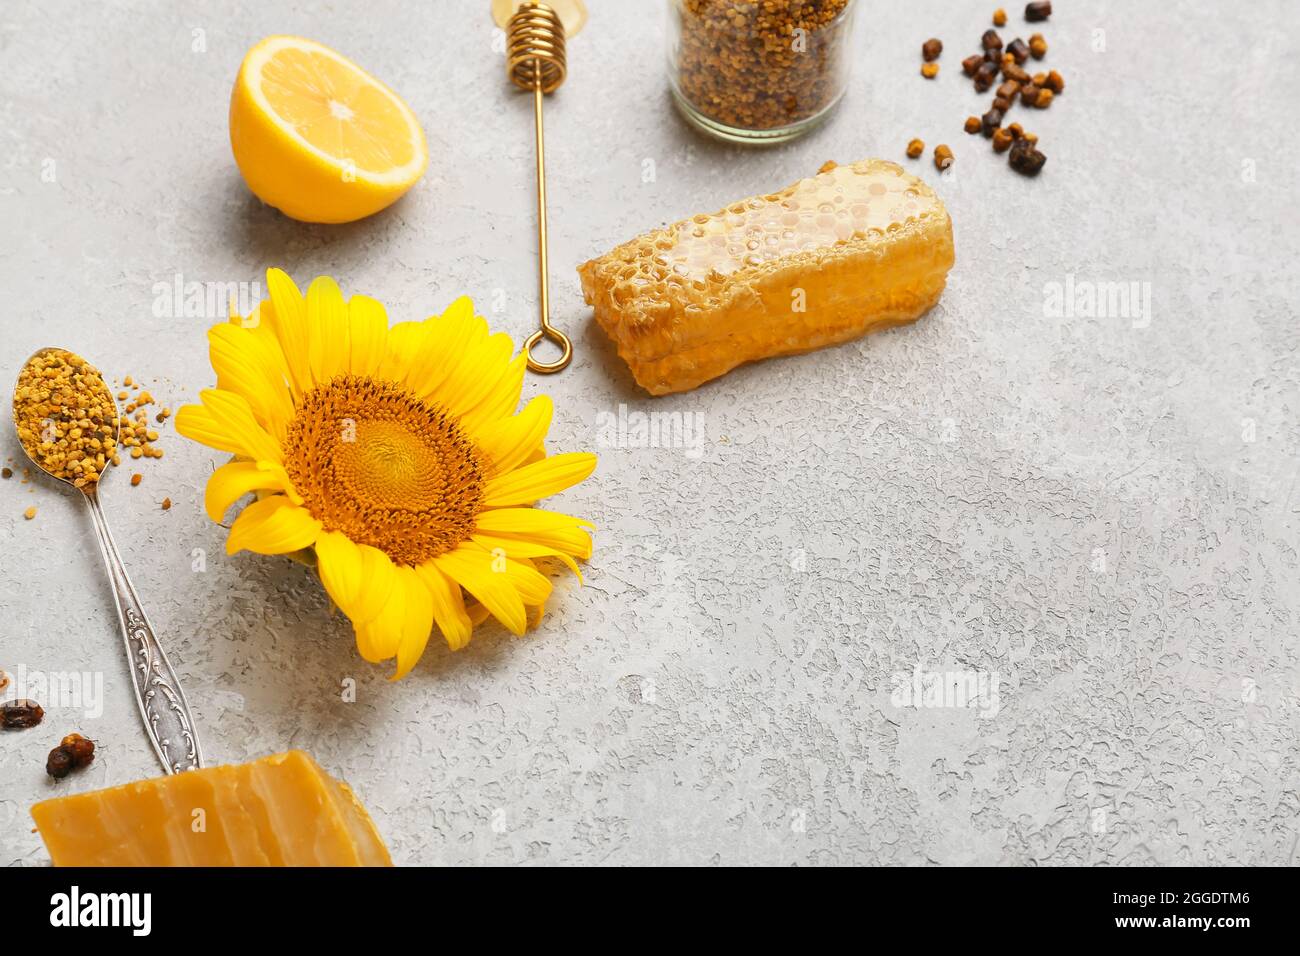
163 708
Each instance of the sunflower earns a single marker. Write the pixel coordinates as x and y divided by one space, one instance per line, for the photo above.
395 456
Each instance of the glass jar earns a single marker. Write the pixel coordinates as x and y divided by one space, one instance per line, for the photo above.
763 71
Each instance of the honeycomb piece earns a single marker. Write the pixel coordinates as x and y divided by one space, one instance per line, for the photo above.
854 249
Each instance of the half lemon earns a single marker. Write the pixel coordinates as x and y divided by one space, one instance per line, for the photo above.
319 138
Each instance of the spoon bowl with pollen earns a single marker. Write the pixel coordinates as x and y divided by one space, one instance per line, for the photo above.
68 424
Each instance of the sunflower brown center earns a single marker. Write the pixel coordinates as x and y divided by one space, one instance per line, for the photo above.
377 464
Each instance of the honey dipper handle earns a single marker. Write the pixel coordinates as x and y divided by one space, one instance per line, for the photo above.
543 266
163 708
536 62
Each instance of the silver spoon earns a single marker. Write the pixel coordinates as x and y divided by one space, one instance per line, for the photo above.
158 694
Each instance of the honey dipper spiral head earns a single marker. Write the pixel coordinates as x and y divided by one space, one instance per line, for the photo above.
535 55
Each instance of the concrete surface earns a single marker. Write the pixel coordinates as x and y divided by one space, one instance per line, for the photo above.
1092 521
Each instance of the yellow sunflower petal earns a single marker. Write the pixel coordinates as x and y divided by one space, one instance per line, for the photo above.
402 347
245 365
527 484
197 424
516 548
502 400
474 375
379 575
548 529
448 606
528 522
339 564
573 542
359 578
201 424
460 310
329 342
417 621
232 481
239 428
250 321
415 635
273 525
377 639
288 320
533 586
260 324
368 334
472 569
405 621
509 441
442 345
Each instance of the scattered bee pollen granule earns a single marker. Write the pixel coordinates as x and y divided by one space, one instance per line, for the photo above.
65 416
30 513
136 479
135 433
166 503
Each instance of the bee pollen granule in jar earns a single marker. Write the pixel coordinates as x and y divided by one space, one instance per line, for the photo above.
65 416
762 70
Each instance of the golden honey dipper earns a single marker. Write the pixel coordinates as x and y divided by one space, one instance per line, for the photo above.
535 60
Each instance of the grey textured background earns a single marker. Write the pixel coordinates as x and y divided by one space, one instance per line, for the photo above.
1072 504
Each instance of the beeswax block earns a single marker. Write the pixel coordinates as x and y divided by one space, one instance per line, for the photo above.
277 811
854 249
